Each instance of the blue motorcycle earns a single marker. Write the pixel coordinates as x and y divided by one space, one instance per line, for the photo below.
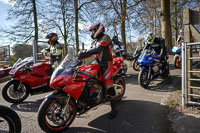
176 50
151 68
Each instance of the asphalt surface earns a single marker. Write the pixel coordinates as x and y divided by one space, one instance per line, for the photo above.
140 111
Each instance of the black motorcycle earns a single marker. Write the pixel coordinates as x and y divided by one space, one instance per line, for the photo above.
136 55
9 120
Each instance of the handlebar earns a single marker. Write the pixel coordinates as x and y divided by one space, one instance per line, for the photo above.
76 71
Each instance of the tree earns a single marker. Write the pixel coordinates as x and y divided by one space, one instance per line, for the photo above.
22 51
76 10
177 7
120 11
146 17
174 19
59 16
26 28
166 23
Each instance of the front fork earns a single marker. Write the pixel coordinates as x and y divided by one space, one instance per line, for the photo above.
19 86
149 74
66 106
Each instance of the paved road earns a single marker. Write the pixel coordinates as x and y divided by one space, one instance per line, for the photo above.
141 111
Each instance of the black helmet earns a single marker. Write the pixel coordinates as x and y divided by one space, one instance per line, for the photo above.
52 38
96 30
115 39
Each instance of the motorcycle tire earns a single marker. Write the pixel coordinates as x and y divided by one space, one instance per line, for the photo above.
15 84
176 62
167 72
125 68
136 66
43 116
119 80
12 119
143 79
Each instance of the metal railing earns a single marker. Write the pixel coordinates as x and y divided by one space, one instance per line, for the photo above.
5 55
190 94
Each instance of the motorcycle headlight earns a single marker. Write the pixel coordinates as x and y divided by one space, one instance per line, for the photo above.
12 75
22 69
58 87
25 69
150 58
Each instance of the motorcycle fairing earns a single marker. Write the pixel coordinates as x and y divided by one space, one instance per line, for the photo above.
117 63
176 49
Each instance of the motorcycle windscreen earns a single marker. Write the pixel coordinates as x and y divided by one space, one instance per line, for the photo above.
65 68
21 61
144 56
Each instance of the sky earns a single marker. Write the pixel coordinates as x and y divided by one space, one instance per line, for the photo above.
4 6
3 12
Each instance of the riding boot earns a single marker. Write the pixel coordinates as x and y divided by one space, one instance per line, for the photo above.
113 112
111 93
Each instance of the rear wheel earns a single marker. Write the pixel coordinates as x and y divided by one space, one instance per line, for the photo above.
119 86
53 118
15 92
136 66
143 79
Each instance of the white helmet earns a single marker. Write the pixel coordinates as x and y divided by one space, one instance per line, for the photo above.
96 29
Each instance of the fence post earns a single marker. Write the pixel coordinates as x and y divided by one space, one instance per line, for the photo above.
187 39
9 54
183 75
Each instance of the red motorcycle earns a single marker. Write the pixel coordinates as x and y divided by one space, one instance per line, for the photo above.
4 74
27 78
77 89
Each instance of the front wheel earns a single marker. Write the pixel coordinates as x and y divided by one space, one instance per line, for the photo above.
119 86
9 120
136 66
143 79
176 62
55 116
15 92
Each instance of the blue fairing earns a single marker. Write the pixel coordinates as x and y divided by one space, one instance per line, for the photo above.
146 60
145 69
176 50
122 50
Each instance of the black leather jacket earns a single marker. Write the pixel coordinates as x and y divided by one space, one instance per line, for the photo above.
158 46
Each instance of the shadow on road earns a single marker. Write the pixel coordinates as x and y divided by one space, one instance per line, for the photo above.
167 85
30 106
131 79
133 117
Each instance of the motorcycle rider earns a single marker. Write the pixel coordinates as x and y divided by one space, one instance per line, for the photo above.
158 45
101 49
118 47
55 48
